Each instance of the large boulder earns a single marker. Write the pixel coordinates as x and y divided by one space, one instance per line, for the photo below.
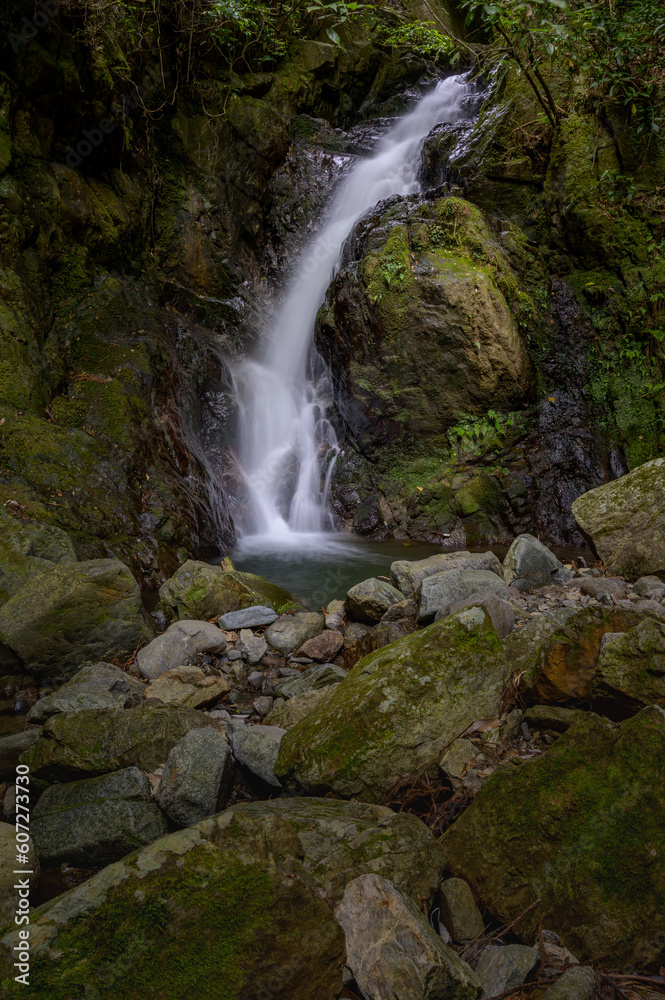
72 613
94 822
397 709
417 330
392 949
201 591
580 829
530 564
563 666
225 902
407 576
369 600
91 742
443 589
26 547
626 520
340 840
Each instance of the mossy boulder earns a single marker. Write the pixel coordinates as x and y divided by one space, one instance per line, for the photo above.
229 912
83 744
563 666
580 829
425 325
341 840
397 709
68 614
626 520
199 590
26 547
631 669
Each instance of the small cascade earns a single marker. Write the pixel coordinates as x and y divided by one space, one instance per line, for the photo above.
283 395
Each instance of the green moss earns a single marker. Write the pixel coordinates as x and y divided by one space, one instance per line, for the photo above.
221 902
579 828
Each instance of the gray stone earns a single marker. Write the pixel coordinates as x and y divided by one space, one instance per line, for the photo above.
323 647
196 778
529 564
501 612
553 717
262 705
407 576
403 609
252 647
578 983
187 686
206 637
106 677
335 615
96 821
255 617
392 950
459 912
441 590
73 613
256 749
626 520
312 679
370 599
455 757
167 651
649 586
74 701
505 967
598 587
290 631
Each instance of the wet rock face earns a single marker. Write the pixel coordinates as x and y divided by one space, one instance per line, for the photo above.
418 330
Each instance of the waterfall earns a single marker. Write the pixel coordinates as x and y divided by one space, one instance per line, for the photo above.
283 395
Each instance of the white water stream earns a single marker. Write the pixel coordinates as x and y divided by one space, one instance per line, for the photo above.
285 435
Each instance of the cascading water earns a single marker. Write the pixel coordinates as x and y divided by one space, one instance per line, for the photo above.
284 433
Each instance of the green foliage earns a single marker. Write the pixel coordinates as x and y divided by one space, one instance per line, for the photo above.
615 49
422 38
258 33
475 435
